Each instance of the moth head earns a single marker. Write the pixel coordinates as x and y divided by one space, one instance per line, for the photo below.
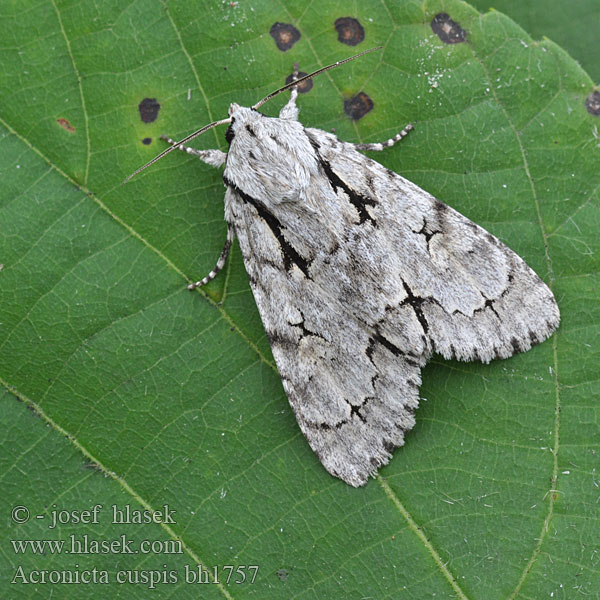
241 117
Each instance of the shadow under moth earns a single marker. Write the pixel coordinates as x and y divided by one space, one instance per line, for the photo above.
359 277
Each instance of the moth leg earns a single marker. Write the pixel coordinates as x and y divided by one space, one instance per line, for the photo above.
214 158
290 110
378 146
220 263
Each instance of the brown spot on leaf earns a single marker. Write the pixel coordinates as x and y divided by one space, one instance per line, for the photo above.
282 574
147 141
358 106
349 31
149 108
305 86
64 123
449 31
592 103
285 35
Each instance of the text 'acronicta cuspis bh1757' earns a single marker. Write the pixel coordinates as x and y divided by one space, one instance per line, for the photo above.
359 277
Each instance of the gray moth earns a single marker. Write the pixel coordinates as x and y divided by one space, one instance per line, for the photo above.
360 276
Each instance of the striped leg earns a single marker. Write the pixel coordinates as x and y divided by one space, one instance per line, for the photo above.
214 158
290 110
220 263
378 146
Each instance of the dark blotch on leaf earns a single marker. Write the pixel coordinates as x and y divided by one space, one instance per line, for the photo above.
358 106
448 30
305 86
592 103
282 574
349 31
64 123
149 108
285 35
147 141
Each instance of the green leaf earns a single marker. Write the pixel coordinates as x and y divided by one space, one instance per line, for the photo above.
151 396
573 25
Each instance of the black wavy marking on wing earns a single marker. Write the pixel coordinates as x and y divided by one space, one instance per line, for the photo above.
378 338
427 233
306 332
415 302
290 254
359 201
354 412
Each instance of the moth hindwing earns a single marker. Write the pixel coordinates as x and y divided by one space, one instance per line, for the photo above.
359 277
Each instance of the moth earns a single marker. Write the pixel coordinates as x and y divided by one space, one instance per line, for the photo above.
359 277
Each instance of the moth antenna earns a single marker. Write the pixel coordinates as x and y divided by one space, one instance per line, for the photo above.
256 106
315 73
183 141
